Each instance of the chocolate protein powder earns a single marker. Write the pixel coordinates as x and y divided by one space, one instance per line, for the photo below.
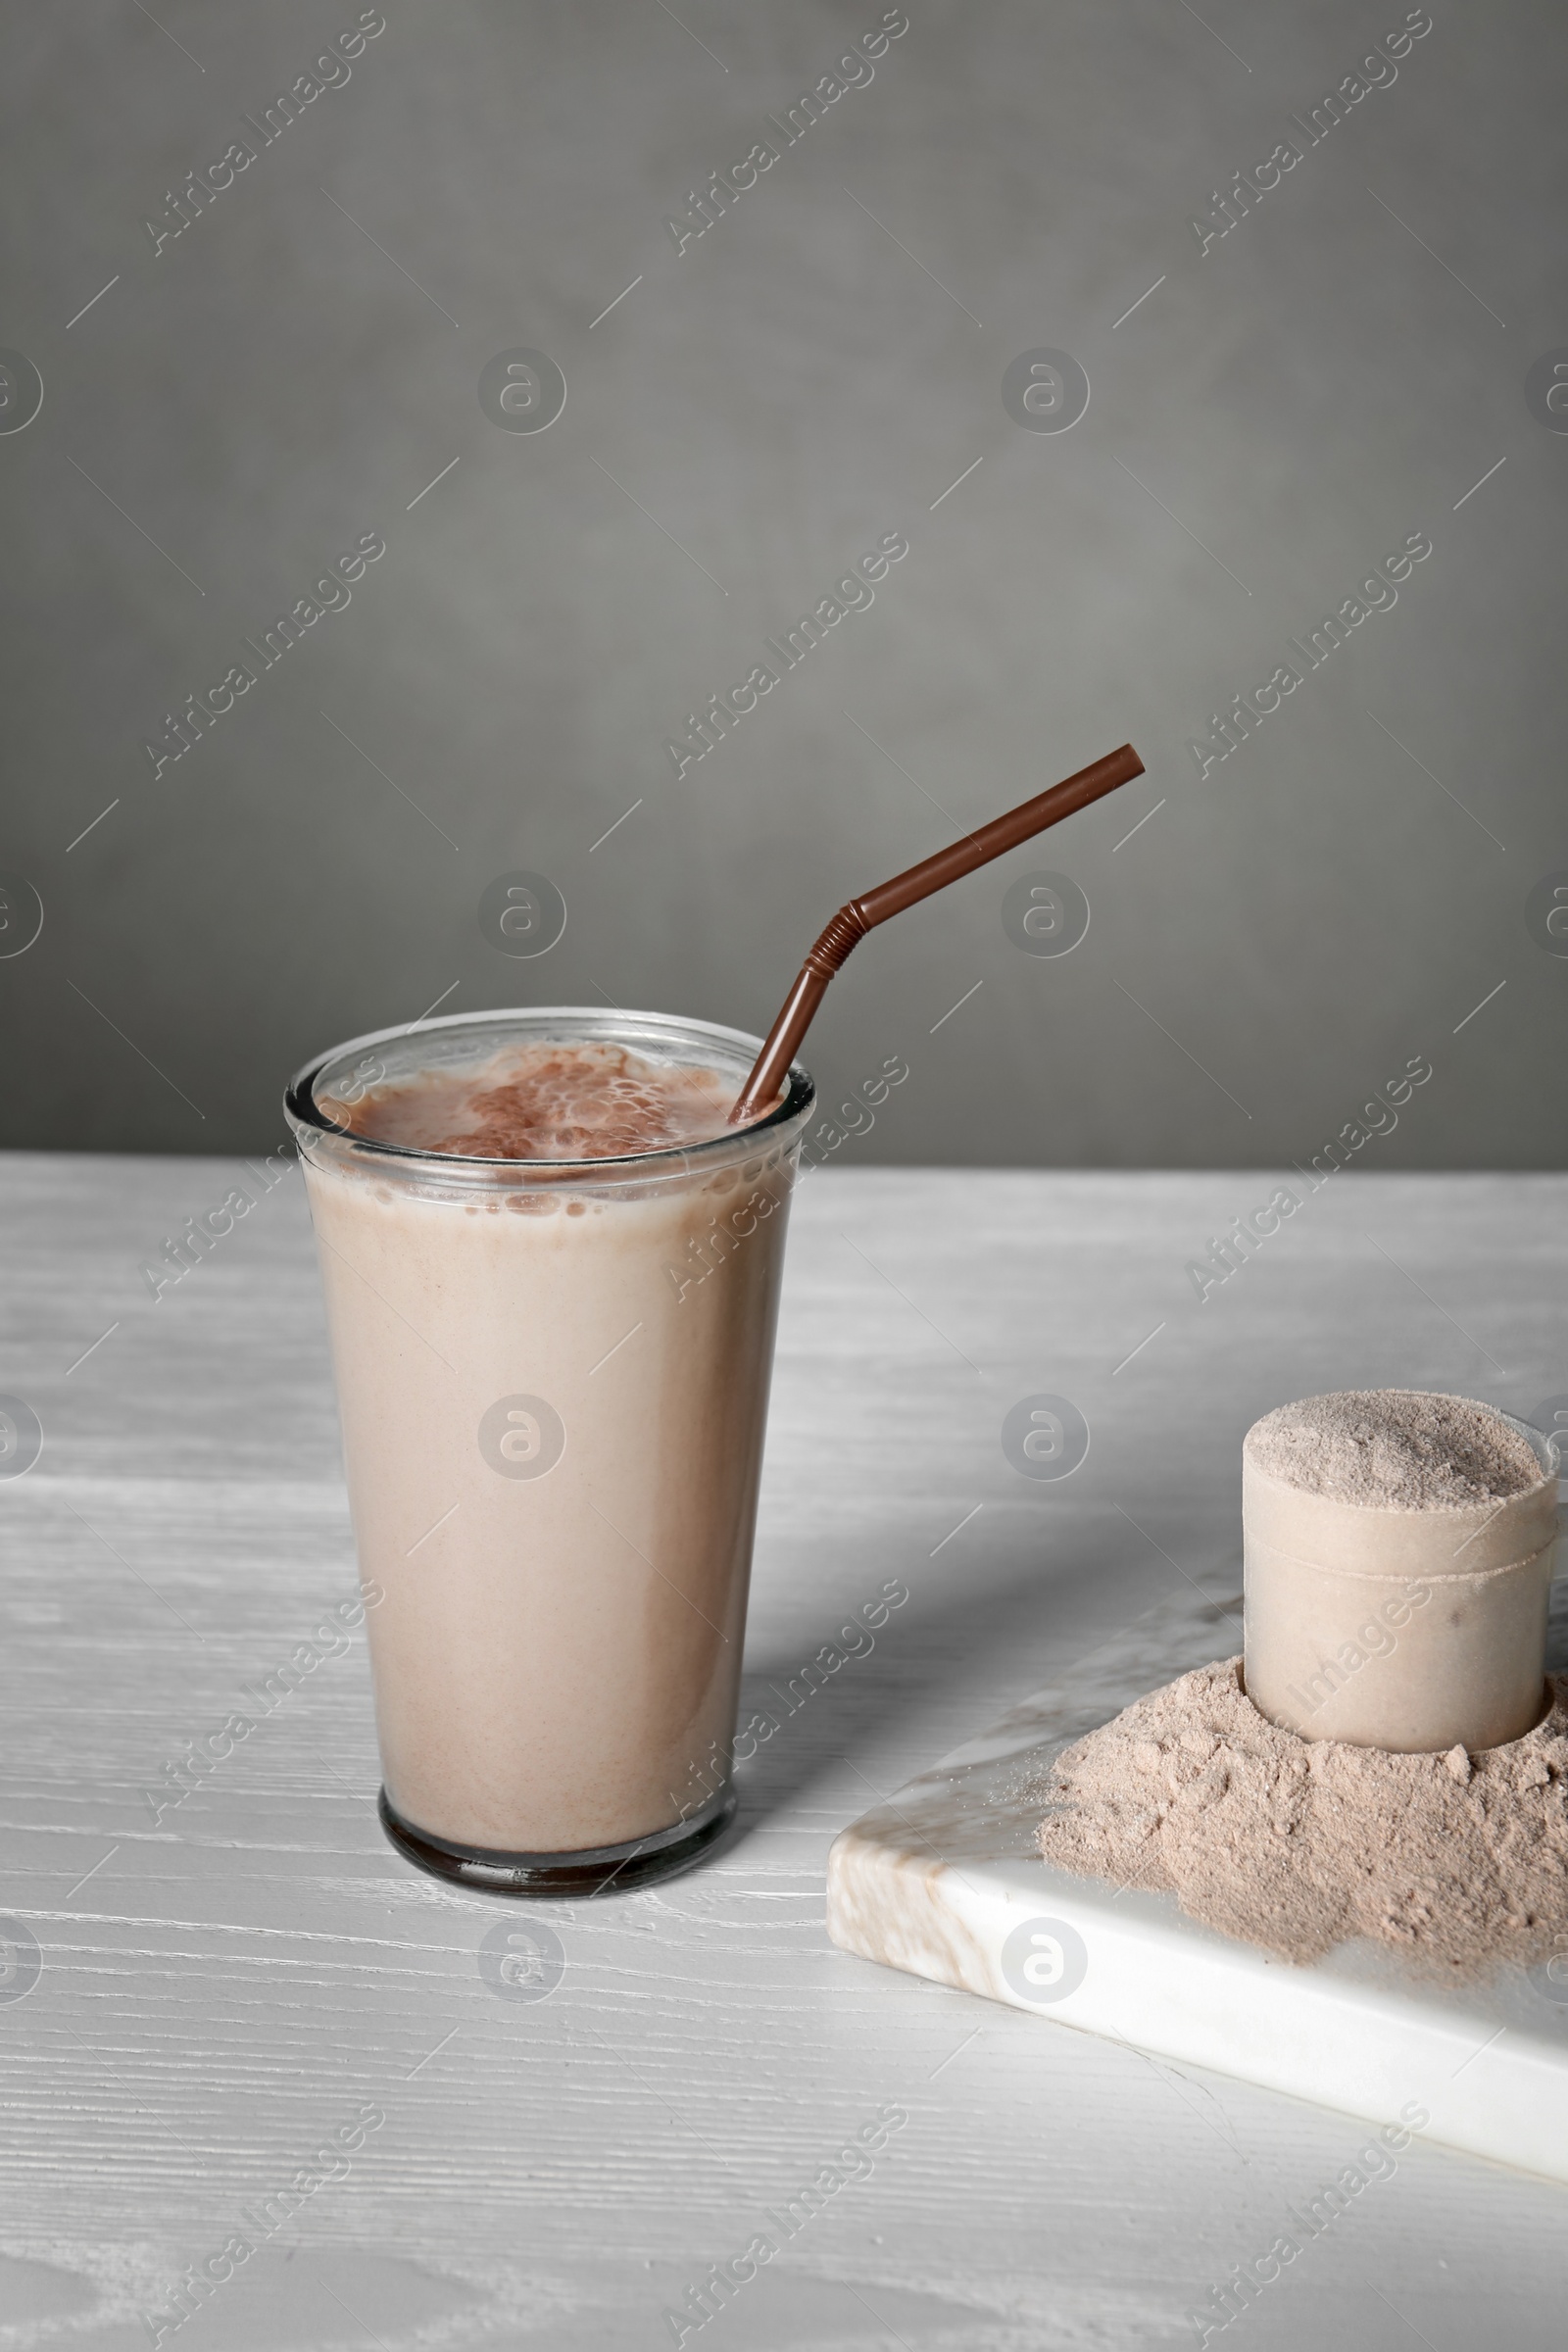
1395 1449
1457 1861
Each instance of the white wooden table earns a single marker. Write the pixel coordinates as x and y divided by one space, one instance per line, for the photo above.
223 1989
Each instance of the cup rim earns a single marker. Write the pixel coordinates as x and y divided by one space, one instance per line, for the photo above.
305 1113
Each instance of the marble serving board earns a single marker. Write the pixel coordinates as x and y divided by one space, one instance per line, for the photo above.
945 1882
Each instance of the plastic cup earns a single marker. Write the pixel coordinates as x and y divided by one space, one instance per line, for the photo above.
1414 1631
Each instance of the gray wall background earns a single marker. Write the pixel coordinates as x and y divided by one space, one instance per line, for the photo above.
1279 938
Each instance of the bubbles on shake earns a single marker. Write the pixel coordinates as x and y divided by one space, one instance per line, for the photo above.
541 1101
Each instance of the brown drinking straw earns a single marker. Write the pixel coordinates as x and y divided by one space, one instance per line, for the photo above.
854 920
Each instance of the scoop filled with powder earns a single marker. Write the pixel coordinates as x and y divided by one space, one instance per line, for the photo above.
1399 1561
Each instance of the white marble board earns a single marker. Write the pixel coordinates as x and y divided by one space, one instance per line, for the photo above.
944 1881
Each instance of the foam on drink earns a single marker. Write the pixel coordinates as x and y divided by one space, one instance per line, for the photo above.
545 1100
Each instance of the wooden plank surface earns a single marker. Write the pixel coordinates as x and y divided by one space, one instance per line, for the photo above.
226 1987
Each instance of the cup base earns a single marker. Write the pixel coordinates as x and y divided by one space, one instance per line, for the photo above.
595 1870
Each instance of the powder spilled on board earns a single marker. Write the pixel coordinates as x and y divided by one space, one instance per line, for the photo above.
1394 1449
1458 1862
545 1099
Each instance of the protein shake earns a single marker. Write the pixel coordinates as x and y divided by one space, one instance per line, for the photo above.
552 1282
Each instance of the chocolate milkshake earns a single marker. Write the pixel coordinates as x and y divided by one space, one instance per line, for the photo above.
552 1280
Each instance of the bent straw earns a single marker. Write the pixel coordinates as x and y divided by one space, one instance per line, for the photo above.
856 918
